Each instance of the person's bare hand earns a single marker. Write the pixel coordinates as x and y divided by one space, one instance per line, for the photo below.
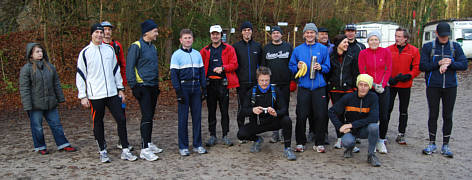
346 128
122 95
300 64
85 102
272 111
257 110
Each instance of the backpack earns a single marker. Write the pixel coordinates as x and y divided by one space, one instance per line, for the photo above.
451 46
253 96
117 50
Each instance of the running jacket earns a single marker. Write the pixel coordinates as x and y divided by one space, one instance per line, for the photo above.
230 63
377 63
304 52
120 57
249 58
142 64
187 65
342 75
98 74
269 97
359 112
430 64
406 62
277 57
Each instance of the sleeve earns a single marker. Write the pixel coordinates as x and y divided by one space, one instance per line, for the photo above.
282 107
338 109
202 74
81 76
175 72
362 63
292 65
460 62
57 87
325 64
121 59
131 61
373 116
205 63
355 69
25 88
232 60
263 56
426 61
388 65
117 73
415 70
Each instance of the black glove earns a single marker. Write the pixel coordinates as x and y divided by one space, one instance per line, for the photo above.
204 94
405 78
393 81
180 97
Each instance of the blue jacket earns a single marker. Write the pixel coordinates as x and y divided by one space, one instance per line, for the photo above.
430 64
187 65
303 53
142 60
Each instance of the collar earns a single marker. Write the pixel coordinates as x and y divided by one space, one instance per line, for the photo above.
94 45
186 50
264 90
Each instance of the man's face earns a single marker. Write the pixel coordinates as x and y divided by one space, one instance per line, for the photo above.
373 42
350 34
400 38
276 36
97 37
442 39
362 88
247 33
152 35
107 33
186 40
215 37
323 37
263 81
309 36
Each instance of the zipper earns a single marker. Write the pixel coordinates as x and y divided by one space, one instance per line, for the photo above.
103 68
249 57
311 68
360 110
341 76
193 71
444 75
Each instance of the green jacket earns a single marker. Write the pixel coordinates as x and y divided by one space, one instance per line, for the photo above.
40 89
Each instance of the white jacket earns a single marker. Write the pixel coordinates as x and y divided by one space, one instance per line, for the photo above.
98 73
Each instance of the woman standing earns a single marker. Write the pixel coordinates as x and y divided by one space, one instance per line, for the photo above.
41 91
377 62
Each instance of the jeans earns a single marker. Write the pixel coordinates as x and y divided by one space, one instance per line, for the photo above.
147 98
192 100
371 132
52 117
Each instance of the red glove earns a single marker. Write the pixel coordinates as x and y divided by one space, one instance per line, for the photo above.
293 86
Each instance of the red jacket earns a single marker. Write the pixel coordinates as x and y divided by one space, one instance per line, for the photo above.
377 63
121 60
407 62
230 63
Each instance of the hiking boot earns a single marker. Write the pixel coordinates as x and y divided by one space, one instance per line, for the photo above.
104 156
227 141
200 150
68 149
348 153
381 147
430 149
338 145
126 155
43 152
212 141
154 148
373 160
355 149
445 151
300 148
256 146
401 139
290 154
121 147
148 155
275 137
184 152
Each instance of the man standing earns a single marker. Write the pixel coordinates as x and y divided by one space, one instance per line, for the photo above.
405 67
267 111
361 110
354 46
311 96
189 82
249 54
440 60
276 56
323 38
220 65
99 84
143 78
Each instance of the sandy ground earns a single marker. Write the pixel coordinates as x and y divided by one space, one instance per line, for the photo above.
17 161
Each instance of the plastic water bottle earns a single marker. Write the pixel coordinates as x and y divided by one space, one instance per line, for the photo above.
123 104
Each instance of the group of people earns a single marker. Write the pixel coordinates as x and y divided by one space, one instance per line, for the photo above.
362 84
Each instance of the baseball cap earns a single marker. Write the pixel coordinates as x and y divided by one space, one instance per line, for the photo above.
216 28
350 27
443 29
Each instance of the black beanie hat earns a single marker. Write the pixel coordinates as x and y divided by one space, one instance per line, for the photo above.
95 27
245 25
147 25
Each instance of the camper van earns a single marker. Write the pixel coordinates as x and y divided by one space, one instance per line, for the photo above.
387 29
461 32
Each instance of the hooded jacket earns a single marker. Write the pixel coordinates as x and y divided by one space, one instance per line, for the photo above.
277 58
342 75
377 63
230 63
430 64
249 56
40 88
406 62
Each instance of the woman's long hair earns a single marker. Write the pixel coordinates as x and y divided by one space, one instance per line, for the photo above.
44 57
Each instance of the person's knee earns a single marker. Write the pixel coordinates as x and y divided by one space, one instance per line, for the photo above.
373 128
242 135
286 121
348 141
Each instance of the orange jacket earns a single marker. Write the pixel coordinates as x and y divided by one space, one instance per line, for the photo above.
406 62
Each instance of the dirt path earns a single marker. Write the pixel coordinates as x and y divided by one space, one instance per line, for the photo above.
402 162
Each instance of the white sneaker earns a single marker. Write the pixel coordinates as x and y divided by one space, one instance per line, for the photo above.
320 149
126 155
338 144
355 149
200 150
154 148
380 147
104 156
148 155
121 147
184 152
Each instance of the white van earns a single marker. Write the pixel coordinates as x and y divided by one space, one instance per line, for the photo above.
386 28
461 32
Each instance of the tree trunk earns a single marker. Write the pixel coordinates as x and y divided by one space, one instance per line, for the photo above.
380 10
169 39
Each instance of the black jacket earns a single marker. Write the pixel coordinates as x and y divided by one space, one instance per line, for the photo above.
355 48
360 112
342 76
264 100
277 57
249 59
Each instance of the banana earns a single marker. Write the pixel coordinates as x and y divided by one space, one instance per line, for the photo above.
301 72
304 69
298 74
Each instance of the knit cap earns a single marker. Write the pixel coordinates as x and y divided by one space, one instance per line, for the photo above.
366 78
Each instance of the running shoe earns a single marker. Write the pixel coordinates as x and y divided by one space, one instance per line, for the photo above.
126 155
430 149
445 151
300 148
